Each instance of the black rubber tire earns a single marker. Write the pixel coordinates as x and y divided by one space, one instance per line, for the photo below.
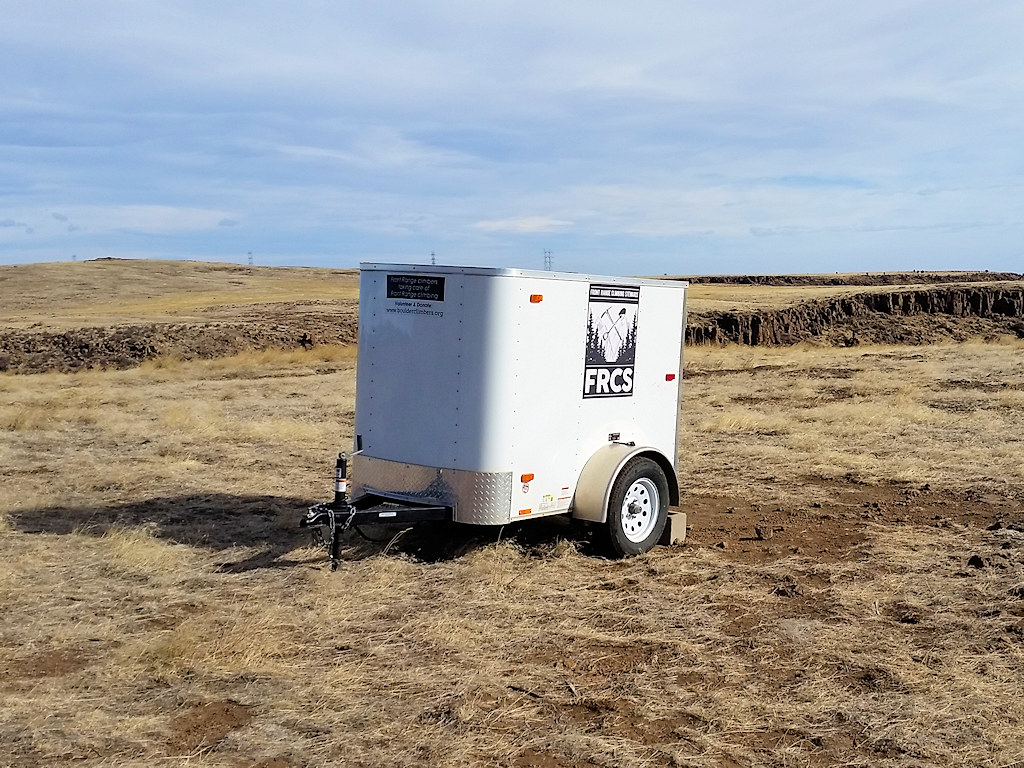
638 469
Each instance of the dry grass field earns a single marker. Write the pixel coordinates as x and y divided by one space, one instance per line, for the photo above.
110 292
62 295
851 593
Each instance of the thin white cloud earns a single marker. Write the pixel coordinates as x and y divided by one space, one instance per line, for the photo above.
378 148
155 219
142 219
523 225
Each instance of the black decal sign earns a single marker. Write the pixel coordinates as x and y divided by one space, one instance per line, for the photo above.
611 340
416 287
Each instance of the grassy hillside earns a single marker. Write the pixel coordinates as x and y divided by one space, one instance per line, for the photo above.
116 291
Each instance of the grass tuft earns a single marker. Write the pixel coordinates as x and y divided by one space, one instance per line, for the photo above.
139 550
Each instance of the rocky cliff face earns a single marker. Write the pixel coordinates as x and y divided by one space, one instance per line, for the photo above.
905 316
866 279
1003 305
26 351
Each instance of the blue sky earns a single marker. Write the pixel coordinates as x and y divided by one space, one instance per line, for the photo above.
646 137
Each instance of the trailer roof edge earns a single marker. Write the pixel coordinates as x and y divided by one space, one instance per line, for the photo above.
514 272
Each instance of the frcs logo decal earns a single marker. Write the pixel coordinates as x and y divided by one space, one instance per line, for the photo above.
611 340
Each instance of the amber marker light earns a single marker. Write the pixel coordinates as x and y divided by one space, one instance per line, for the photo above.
526 478
525 511
536 298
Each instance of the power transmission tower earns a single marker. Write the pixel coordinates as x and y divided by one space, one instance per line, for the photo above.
433 259
548 261
250 258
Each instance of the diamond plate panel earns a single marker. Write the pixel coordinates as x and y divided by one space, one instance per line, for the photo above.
482 498
478 498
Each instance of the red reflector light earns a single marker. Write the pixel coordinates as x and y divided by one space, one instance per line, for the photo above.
536 298
670 377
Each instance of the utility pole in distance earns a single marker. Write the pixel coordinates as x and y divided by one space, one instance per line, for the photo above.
548 260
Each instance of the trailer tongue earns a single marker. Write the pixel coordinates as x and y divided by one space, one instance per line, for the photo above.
486 396
337 516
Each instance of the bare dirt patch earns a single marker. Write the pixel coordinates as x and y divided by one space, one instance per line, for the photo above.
47 663
204 725
832 531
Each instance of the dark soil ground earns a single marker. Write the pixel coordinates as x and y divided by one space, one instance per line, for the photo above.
756 533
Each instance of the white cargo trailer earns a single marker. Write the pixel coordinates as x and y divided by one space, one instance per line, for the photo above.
486 396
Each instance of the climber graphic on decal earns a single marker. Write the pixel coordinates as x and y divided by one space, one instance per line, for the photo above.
611 340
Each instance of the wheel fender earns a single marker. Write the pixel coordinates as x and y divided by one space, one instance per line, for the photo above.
590 502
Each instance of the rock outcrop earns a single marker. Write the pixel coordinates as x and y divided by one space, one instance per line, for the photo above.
128 345
866 279
816 318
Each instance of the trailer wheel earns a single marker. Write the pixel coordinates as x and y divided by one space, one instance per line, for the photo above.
637 508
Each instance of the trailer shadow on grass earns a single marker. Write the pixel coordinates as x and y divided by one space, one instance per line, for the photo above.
222 522
216 521
438 542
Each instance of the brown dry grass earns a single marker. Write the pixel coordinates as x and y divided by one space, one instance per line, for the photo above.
949 415
150 565
98 293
